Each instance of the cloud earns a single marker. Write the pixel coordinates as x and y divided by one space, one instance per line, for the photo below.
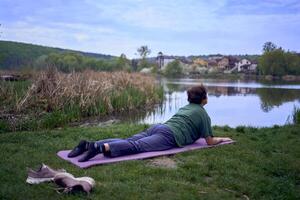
258 7
174 27
88 39
166 15
81 37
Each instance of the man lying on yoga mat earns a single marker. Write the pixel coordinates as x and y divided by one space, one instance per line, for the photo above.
190 123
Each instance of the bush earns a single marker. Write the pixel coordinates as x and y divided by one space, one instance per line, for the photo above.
279 62
240 129
173 69
69 62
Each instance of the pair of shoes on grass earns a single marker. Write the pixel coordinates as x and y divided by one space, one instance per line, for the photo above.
66 181
43 174
82 147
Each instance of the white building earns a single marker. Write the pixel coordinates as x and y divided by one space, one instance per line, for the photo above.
253 67
163 60
242 63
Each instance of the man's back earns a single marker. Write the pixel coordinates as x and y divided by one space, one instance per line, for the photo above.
189 124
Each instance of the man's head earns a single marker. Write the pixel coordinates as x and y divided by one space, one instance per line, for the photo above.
197 95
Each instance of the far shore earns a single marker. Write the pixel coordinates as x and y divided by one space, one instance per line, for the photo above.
246 76
13 75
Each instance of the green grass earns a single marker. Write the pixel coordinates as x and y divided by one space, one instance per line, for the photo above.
263 164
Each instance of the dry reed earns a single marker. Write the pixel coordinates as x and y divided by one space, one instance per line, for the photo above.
53 90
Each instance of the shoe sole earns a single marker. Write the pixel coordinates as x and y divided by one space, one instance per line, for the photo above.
32 180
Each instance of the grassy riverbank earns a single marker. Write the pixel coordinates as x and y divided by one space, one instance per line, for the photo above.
263 164
54 99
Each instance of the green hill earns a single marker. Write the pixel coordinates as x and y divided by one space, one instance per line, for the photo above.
14 55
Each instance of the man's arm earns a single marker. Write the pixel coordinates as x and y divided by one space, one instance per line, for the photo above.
216 140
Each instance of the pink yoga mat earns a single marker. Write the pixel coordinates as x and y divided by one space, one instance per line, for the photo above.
100 159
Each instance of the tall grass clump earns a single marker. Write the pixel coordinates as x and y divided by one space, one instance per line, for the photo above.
11 93
296 115
56 98
90 92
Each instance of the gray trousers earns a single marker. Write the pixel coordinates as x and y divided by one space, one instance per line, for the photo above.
157 138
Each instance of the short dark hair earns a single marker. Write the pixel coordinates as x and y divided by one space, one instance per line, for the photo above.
196 94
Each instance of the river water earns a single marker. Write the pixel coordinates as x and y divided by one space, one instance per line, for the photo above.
230 102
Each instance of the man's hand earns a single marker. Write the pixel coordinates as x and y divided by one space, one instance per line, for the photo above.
225 139
216 140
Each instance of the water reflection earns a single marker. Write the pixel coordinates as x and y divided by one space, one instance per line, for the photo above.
231 103
273 97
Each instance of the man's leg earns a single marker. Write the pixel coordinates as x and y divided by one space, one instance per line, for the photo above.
95 148
99 143
105 147
160 138
143 134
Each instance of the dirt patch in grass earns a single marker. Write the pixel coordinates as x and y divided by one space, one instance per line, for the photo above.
208 179
163 162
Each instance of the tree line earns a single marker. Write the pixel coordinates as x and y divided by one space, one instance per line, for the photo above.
68 62
278 62
15 55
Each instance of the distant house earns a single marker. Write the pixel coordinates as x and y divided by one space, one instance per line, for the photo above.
200 62
253 67
248 68
185 60
215 57
232 62
167 60
223 63
212 63
243 64
163 60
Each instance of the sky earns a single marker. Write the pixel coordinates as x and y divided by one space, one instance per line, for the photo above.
174 27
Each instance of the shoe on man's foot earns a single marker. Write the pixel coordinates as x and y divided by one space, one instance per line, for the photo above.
92 152
79 149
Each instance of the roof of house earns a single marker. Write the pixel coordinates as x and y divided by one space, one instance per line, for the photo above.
212 62
180 58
